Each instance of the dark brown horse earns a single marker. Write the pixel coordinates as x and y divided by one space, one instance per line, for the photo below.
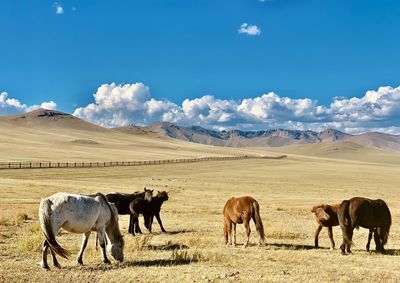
148 210
122 201
242 210
367 213
326 216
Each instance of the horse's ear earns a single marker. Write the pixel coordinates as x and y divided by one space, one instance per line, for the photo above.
145 189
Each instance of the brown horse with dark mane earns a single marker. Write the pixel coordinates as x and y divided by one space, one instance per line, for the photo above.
122 201
367 213
326 216
242 210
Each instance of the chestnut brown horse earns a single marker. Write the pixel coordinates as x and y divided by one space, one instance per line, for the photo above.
367 213
242 210
326 216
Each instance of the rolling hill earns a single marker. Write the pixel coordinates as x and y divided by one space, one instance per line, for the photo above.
48 135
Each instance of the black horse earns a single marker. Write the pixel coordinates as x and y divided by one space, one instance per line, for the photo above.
122 201
367 213
148 210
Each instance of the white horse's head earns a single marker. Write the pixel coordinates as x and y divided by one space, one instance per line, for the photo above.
115 246
116 250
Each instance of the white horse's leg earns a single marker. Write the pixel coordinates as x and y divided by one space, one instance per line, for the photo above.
45 248
55 261
83 246
102 239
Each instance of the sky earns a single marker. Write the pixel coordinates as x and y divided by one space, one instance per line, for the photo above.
221 64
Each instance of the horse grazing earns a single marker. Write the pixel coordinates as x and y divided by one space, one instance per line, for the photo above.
326 216
79 214
148 210
122 201
367 213
241 210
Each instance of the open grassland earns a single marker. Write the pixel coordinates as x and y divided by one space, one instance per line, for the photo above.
193 248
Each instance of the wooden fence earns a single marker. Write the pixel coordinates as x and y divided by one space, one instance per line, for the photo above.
43 165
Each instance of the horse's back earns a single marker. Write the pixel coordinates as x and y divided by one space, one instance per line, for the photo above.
369 213
75 213
236 207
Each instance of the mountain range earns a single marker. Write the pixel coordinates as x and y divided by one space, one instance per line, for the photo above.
263 138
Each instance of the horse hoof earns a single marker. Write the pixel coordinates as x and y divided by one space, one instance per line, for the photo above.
106 261
332 248
44 266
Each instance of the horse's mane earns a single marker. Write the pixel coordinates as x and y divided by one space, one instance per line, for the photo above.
114 216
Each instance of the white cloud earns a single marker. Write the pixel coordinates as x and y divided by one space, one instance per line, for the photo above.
59 8
11 106
118 105
249 29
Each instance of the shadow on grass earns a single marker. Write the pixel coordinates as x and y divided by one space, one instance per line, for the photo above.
159 262
293 247
282 246
168 247
182 231
390 252
125 264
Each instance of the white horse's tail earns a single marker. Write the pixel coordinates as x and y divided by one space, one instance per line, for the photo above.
45 224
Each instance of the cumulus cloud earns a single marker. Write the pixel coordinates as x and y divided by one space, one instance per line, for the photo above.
249 29
11 106
119 105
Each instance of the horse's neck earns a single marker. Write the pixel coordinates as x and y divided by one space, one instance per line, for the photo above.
112 230
157 202
335 207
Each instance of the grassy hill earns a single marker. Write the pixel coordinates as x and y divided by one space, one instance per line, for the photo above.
45 135
48 135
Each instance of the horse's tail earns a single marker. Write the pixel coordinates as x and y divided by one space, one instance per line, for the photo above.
258 222
45 224
384 230
345 221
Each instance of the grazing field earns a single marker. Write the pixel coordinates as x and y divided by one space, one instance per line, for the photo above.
193 249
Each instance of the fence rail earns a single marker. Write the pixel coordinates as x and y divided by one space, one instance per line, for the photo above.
43 165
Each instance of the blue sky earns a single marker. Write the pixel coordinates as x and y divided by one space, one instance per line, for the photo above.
64 51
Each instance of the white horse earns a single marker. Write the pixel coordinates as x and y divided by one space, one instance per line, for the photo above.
80 214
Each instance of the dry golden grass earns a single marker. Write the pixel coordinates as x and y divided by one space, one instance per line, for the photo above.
193 250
